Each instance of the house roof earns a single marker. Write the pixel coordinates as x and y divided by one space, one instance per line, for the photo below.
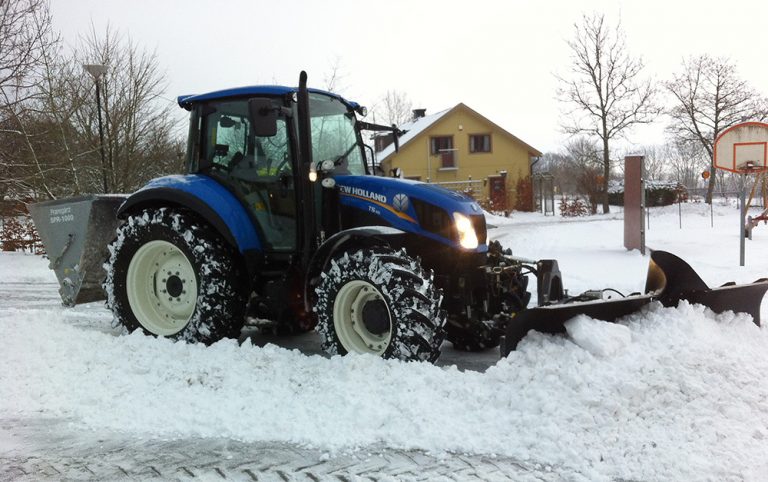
415 128
412 129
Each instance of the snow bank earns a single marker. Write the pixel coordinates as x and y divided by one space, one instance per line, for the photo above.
25 268
685 399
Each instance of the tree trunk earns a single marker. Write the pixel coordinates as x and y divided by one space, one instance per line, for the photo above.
711 185
606 175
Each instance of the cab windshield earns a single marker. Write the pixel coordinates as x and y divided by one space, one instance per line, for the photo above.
334 136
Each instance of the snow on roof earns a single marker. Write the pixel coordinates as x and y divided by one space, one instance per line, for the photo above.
418 126
412 129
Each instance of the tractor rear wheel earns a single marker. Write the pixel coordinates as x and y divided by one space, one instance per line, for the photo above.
380 301
173 276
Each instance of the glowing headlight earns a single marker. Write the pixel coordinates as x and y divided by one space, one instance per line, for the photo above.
467 236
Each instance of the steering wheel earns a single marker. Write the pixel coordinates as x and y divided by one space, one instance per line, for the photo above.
236 159
281 167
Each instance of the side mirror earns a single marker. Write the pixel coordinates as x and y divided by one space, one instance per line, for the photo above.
263 117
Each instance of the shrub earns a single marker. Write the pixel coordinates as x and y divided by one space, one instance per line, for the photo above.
524 200
570 208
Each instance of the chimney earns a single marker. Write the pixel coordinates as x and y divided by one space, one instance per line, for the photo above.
419 113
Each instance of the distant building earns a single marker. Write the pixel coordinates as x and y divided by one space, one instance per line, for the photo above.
456 146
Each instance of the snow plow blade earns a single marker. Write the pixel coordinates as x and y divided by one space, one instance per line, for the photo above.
670 280
75 233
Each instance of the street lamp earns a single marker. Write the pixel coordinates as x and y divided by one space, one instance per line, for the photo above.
96 71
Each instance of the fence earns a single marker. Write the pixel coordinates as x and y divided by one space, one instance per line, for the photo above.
470 188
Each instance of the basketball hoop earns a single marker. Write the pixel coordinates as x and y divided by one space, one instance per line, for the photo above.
743 148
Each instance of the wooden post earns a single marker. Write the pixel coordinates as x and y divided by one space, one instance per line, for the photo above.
634 204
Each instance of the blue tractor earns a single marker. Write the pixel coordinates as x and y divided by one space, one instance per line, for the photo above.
281 221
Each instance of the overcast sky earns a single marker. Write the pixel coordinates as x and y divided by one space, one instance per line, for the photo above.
498 57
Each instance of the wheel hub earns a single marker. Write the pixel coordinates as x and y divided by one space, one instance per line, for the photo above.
174 286
376 317
361 318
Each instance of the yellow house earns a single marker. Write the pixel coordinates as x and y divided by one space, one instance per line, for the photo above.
462 150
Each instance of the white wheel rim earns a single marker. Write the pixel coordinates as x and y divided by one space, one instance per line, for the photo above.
162 288
348 323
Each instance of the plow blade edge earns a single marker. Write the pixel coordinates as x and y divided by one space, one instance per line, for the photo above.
670 280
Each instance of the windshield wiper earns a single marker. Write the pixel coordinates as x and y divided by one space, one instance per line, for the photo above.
342 157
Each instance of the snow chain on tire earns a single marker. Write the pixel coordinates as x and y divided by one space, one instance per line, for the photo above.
217 305
412 302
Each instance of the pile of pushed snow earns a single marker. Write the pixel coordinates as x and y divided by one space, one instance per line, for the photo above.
596 336
682 397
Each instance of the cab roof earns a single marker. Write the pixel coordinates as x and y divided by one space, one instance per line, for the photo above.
187 101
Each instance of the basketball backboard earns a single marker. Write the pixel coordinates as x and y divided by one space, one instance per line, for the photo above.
743 148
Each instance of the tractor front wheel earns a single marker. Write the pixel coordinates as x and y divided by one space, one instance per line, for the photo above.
380 301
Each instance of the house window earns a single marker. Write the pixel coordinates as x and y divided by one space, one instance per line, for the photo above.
480 143
443 147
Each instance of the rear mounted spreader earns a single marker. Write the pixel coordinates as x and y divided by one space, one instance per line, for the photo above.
669 281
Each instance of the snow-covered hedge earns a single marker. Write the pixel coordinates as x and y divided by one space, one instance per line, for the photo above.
657 193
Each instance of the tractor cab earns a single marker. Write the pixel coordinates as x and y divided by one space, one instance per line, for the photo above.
248 140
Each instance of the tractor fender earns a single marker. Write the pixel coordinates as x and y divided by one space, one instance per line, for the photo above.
205 197
354 237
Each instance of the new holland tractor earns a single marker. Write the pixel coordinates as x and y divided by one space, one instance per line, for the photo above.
280 221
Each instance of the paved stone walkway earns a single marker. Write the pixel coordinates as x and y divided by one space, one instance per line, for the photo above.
37 450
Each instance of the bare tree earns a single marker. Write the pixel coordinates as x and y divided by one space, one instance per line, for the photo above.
710 97
334 77
25 34
655 160
394 108
604 88
578 156
585 164
139 131
687 160
54 135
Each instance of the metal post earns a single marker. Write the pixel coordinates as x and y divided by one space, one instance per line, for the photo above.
101 138
742 221
647 219
96 71
680 213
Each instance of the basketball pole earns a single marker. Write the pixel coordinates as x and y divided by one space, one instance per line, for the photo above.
742 218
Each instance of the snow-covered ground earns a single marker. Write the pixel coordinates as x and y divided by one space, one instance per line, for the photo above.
670 394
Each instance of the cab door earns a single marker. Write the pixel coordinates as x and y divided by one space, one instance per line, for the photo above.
259 170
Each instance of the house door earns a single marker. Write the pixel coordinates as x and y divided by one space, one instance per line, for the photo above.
497 187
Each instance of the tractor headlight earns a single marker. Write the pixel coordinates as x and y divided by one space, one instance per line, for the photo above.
467 235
